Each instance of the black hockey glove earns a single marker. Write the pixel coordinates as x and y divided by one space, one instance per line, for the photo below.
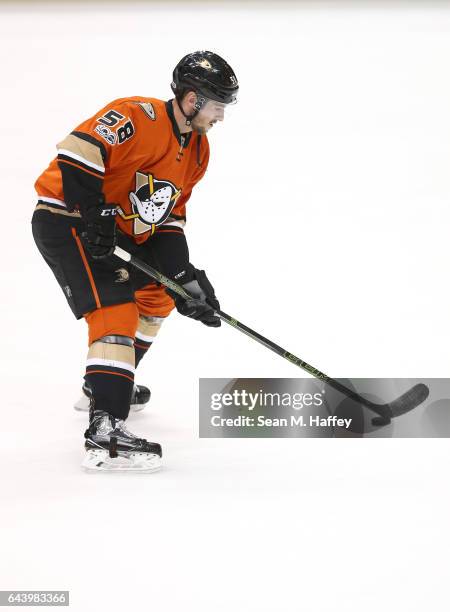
100 236
204 301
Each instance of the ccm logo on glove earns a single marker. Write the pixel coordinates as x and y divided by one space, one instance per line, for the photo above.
203 302
100 236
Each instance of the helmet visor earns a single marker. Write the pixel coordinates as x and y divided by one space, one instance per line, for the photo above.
213 110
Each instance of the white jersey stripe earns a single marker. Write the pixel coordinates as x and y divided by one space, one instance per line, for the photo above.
52 201
111 363
81 159
175 223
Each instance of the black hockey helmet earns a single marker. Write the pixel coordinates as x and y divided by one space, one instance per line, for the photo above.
205 73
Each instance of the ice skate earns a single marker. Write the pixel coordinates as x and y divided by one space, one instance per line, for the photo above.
110 447
139 398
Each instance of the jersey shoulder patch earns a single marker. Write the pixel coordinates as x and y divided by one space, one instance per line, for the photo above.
148 109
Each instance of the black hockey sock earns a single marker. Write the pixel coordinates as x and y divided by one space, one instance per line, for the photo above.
110 374
140 349
147 330
111 391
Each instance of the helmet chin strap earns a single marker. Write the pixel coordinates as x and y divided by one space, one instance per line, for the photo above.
199 102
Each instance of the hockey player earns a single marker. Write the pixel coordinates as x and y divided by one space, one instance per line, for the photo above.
124 177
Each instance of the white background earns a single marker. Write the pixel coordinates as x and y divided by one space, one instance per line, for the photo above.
323 223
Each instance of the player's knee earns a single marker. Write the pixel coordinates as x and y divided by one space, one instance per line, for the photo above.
112 351
120 320
153 301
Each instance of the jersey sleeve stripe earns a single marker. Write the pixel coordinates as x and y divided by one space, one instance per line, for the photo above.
51 201
85 150
62 160
93 141
83 160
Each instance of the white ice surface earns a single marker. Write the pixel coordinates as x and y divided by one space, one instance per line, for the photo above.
323 222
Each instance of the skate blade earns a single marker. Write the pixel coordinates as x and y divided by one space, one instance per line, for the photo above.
98 460
83 405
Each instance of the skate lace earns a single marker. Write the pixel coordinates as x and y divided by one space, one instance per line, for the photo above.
105 424
120 425
101 424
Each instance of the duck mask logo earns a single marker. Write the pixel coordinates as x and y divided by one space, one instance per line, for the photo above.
152 202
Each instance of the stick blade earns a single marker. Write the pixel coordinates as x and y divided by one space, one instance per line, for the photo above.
403 404
409 400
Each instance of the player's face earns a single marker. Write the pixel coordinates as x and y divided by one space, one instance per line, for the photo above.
210 113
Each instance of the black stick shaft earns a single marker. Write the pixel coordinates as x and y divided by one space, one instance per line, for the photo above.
167 282
300 363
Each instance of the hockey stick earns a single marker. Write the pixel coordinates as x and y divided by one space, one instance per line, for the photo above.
406 402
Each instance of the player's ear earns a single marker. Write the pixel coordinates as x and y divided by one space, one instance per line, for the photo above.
190 98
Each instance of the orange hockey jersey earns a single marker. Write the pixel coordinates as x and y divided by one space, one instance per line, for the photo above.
133 153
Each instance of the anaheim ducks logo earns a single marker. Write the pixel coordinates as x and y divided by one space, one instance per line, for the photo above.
152 202
122 275
204 64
